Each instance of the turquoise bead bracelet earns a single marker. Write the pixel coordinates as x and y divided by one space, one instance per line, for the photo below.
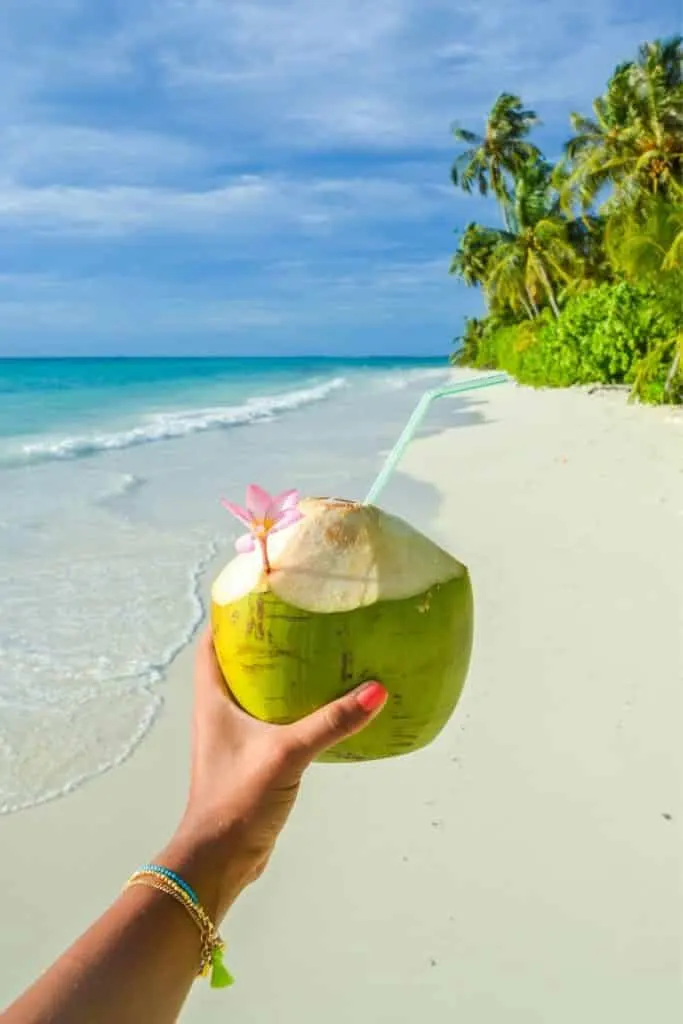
159 869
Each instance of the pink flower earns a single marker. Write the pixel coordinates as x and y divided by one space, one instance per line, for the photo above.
264 515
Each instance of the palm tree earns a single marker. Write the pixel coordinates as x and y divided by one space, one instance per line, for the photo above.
473 256
634 141
656 81
507 286
492 158
587 235
529 262
647 243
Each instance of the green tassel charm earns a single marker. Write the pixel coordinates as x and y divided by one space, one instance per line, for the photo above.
220 975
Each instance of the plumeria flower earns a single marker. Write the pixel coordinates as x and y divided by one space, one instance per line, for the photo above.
263 515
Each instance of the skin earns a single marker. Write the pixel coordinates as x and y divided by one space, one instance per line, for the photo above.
139 960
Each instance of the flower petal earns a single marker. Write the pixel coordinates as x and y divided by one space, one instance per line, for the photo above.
288 518
237 510
258 501
245 543
284 501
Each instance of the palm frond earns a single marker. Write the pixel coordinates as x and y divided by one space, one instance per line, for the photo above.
462 135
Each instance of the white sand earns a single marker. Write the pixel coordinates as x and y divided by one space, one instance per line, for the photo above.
527 867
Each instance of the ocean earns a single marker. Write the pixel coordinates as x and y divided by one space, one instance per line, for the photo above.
111 475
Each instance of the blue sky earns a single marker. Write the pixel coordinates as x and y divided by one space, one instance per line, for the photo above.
265 176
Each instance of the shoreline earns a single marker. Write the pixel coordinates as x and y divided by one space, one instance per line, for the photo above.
521 866
159 672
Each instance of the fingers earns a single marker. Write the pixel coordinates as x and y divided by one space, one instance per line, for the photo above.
303 740
213 697
336 721
209 681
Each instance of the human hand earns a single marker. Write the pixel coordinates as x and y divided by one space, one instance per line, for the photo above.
245 777
139 959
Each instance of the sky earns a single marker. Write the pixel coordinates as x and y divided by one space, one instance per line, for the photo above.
266 177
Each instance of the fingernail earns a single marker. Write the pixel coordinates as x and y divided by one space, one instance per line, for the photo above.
371 696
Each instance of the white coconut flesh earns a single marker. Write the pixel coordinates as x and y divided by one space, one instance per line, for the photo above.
341 556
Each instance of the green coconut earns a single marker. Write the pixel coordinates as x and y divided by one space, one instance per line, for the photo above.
353 594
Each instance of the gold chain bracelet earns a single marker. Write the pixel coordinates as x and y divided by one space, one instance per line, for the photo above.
211 957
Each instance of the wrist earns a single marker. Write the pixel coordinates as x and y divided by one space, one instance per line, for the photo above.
203 863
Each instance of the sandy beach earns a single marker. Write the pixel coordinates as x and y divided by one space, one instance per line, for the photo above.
527 866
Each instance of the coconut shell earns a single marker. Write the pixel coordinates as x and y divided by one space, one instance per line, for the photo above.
283 661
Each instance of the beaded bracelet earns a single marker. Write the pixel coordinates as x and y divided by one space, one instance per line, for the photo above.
211 959
160 869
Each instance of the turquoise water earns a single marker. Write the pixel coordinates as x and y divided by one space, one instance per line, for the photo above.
111 474
142 400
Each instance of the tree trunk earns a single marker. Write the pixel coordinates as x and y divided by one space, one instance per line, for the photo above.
672 370
501 193
549 289
527 308
531 300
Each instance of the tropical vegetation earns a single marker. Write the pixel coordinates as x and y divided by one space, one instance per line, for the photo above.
583 280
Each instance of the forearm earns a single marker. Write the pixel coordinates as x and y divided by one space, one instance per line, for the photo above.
136 963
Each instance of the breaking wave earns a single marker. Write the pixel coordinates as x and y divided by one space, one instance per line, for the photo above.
167 425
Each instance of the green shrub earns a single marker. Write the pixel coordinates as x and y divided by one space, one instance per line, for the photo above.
612 334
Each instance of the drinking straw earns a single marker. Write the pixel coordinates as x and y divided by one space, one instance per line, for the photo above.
419 412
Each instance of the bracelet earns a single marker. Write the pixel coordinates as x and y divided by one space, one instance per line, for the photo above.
159 869
155 876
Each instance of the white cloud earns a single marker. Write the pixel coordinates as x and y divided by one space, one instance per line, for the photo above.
248 80
304 73
249 204
394 72
120 210
45 152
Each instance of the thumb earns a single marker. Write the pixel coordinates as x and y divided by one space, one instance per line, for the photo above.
338 720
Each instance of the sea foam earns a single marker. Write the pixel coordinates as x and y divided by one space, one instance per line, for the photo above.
181 423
